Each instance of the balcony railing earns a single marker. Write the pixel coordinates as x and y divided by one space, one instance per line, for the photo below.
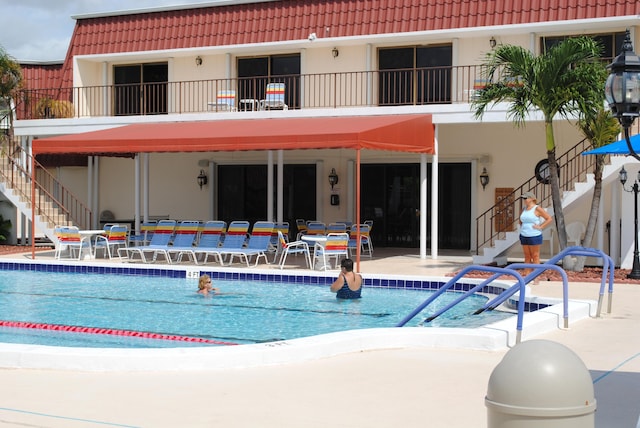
438 85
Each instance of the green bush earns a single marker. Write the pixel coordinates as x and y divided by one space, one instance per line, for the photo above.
5 227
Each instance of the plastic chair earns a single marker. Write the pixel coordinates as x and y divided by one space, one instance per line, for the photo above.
575 231
69 238
301 226
337 228
145 235
334 246
294 247
365 239
115 237
209 242
316 228
226 100
257 244
274 97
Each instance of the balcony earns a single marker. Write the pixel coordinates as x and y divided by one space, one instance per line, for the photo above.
425 86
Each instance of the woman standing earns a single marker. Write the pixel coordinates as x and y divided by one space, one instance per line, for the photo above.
533 219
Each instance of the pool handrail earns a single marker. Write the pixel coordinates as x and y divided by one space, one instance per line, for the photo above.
608 268
537 269
464 271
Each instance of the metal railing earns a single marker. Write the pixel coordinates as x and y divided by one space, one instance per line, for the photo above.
497 221
53 202
434 85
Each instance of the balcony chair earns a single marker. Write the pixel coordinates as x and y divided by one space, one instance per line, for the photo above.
274 97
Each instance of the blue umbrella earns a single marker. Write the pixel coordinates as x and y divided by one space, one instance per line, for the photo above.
617 147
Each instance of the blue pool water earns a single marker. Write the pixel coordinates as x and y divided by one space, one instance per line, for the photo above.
245 312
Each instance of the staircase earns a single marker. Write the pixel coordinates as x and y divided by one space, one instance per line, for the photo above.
495 239
54 204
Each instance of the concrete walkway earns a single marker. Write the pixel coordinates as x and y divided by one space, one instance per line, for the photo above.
406 387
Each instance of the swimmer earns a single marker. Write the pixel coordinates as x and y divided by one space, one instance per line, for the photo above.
205 287
349 284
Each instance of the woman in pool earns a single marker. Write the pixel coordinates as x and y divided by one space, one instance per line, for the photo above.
349 284
205 287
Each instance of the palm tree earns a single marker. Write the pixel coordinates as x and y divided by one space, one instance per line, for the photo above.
10 82
600 128
563 81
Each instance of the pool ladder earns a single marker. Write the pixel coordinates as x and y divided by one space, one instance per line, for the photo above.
520 286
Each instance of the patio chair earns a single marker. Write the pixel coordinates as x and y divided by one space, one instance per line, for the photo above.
209 242
234 239
334 246
257 244
365 239
274 97
316 228
116 236
69 238
162 235
183 241
145 235
294 247
301 226
336 228
274 244
226 100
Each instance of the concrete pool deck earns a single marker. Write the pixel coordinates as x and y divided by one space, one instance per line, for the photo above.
403 387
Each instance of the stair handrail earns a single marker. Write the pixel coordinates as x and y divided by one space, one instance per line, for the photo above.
572 168
16 173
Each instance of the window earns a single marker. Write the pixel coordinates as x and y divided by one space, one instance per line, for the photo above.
611 43
140 89
254 74
415 75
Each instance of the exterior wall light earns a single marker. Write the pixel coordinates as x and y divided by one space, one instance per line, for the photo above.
202 179
333 178
484 178
492 42
198 61
335 52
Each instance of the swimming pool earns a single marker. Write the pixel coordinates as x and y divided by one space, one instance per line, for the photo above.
140 311
491 337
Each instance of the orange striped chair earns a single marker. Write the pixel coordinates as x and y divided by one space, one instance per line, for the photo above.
162 235
274 97
336 246
114 237
69 238
209 242
257 245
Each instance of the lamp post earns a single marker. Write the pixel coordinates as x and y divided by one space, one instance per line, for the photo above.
622 89
635 270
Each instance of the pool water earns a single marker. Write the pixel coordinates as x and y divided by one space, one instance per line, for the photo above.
244 312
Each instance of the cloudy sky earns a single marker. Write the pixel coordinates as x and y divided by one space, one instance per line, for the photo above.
40 30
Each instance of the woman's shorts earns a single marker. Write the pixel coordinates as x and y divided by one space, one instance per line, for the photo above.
531 240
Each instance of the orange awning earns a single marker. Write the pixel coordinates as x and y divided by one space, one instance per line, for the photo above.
403 133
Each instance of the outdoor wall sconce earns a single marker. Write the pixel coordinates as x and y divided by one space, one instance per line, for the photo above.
492 42
198 61
333 178
622 89
202 179
335 52
484 178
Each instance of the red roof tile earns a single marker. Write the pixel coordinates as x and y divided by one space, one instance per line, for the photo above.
296 19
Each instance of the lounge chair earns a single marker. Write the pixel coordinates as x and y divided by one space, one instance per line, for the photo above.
257 245
162 235
294 247
334 246
183 241
209 242
274 97
234 239
145 235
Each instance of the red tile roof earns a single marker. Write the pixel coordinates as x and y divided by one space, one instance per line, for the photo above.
295 19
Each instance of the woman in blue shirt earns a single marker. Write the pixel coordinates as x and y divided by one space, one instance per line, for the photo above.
533 219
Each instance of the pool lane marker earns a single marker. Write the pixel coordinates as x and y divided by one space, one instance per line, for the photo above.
109 331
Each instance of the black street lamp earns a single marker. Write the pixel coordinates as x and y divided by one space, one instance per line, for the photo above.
635 270
622 89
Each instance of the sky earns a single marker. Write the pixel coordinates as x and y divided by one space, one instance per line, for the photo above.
40 30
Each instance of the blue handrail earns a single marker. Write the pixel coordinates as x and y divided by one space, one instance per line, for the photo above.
536 270
464 271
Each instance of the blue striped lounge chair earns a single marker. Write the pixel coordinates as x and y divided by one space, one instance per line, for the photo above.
234 239
209 242
162 235
183 241
115 237
145 235
257 246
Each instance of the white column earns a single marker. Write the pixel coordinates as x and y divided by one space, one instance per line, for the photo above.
319 190
212 190
434 197
423 206
269 185
145 186
136 193
280 190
